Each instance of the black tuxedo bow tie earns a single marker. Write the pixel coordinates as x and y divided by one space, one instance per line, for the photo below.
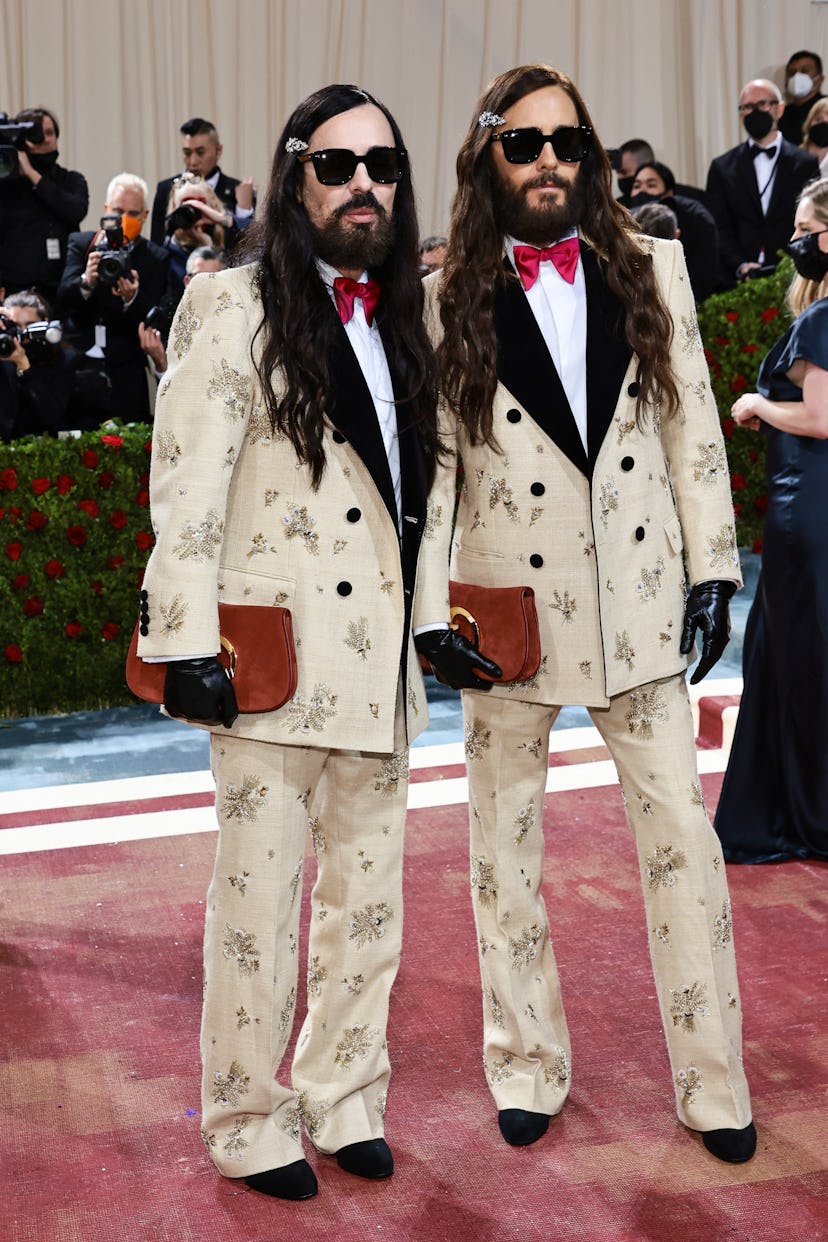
769 151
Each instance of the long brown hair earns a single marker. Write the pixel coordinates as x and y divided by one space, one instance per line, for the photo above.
467 354
297 324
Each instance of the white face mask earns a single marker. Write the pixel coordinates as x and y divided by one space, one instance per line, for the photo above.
800 84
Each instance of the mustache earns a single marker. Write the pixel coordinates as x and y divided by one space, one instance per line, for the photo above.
366 199
549 178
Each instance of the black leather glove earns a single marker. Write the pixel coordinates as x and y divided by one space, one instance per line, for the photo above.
707 610
200 690
453 659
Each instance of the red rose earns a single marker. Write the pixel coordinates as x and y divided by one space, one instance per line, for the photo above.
717 370
90 507
89 458
33 606
142 498
143 478
13 654
148 446
731 316
36 520
54 569
114 442
8 479
722 340
708 355
115 562
772 312
110 631
13 550
106 478
760 504
118 520
73 629
77 535
97 586
753 455
139 578
64 483
39 486
737 509
757 547
738 383
144 541
749 349
14 512
727 427
20 582
738 482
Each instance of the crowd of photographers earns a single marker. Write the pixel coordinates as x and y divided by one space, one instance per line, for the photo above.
84 315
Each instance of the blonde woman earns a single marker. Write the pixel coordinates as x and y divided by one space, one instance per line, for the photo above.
815 131
185 231
774 802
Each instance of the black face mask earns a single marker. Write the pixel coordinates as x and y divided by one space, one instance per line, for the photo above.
808 259
641 199
625 184
758 124
818 134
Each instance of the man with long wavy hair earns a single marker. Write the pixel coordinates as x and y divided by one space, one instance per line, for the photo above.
295 443
595 472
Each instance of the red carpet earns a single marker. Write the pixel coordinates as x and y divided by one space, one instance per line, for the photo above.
99 1077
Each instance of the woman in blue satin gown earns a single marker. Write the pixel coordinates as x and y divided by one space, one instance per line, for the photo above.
774 800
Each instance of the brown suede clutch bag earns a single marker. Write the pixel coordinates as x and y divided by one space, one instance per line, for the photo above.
257 650
502 622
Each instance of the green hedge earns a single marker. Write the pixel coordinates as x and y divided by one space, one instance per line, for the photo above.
75 535
738 328
75 528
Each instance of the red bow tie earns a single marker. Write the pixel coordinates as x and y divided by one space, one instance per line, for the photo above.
346 290
563 254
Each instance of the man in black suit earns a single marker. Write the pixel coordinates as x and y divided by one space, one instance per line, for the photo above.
201 152
104 313
752 189
803 82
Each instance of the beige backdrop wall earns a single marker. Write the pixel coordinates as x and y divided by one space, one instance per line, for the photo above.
123 74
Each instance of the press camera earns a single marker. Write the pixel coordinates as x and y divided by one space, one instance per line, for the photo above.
13 136
114 250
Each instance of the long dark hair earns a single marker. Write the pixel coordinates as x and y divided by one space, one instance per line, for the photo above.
467 354
297 323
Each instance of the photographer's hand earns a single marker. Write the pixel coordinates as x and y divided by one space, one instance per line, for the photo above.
25 166
19 357
90 274
152 345
127 288
244 194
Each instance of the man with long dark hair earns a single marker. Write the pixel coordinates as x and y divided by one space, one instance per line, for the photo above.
595 472
295 444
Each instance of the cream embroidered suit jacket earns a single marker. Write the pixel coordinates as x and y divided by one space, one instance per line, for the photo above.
608 539
236 519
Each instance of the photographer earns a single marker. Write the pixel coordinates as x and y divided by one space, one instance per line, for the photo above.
112 277
195 219
42 388
39 207
154 332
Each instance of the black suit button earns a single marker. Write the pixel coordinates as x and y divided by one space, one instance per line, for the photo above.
513 416
536 560
353 515
343 588
627 463
639 533
633 389
144 629
537 489
338 437
144 595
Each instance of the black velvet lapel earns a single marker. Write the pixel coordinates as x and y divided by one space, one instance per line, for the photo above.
353 412
526 369
607 353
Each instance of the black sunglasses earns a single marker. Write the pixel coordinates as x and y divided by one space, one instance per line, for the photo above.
337 165
571 143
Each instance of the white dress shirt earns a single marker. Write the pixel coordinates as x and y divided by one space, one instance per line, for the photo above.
561 313
764 169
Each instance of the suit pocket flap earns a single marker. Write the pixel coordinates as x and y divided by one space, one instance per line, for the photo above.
672 530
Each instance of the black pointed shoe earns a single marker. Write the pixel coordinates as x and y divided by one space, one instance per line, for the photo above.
291 1181
371 1158
520 1128
734 1146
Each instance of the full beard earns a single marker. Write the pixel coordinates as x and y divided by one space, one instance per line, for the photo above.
348 245
546 223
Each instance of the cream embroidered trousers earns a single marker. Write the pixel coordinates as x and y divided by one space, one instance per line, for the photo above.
649 733
267 796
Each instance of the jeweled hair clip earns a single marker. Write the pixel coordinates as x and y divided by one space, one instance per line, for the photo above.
488 120
295 146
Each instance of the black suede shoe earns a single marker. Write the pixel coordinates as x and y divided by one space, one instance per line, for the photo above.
520 1128
371 1158
734 1146
291 1181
